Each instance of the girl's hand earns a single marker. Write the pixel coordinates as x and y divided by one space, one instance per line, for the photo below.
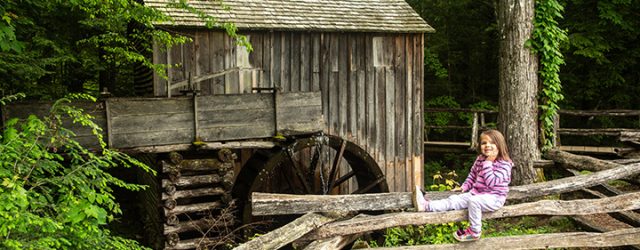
491 155
457 189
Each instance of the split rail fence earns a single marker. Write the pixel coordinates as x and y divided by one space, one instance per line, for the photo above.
329 222
484 119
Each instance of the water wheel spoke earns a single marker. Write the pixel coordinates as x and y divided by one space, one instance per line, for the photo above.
313 165
371 185
335 167
343 179
299 174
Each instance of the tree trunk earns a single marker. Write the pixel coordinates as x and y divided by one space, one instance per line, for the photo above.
518 78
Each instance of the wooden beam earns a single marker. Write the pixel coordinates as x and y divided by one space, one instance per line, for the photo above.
580 162
287 233
338 242
544 207
616 238
271 204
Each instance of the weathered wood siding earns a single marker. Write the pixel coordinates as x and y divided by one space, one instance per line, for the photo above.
40 109
142 122
372 84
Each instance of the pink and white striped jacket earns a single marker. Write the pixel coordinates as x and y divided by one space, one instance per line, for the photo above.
487 177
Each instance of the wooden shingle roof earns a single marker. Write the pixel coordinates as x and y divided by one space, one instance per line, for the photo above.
310 15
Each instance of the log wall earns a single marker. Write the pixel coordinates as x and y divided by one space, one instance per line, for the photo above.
372 84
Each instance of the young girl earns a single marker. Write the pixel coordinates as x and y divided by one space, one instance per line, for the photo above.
484 190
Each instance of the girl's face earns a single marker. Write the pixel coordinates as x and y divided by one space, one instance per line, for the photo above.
488 147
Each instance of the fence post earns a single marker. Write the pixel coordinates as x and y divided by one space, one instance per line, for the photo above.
474 131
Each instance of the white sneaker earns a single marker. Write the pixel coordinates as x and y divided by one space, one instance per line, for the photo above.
419 202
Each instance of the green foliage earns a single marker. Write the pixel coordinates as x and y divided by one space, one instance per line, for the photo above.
56 194
50 48
547 39
440 118
526 225
603 55
461 56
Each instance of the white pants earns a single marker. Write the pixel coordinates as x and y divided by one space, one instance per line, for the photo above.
476 204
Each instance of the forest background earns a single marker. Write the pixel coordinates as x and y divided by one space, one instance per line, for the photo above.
49 49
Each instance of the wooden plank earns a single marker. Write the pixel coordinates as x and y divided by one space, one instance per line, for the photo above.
316 59
408 113
418 109
251 118
217 60
352 81
285 62
399 67
230 83
618 238
306 63
361 101
120 107
277 57
267 55
236 132
342 85
257 55
150 123
189 60
295 62
159 57
286 234
166 137
235 102
202 60
333 93
369 90
390 132
205 146
324 76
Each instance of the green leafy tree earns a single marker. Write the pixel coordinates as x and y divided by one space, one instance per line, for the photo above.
55 194
602 56
50 48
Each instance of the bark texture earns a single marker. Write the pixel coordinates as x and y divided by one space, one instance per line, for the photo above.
518 69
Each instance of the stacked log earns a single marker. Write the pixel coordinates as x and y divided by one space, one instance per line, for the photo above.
194 199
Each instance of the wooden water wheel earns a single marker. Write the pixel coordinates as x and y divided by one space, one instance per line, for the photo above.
318 164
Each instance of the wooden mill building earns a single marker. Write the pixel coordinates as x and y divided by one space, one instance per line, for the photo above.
365 56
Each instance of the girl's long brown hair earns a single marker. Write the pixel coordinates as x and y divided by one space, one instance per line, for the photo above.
498 139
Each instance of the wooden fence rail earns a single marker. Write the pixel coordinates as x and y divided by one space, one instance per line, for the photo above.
479 122
334 230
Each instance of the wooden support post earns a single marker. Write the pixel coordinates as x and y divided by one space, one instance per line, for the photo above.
474 132
287 233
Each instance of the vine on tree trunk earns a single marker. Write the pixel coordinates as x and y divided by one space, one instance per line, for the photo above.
546 41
